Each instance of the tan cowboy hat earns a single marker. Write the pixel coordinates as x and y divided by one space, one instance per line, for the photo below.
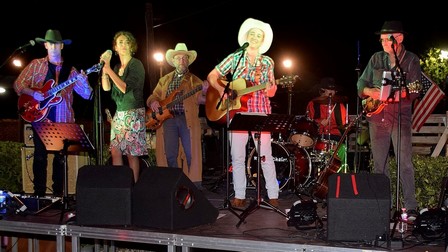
254 23
181 48
53 36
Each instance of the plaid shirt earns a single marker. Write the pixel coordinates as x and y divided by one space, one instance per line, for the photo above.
264 68
33 76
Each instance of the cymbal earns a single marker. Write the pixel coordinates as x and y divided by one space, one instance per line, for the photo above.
330 100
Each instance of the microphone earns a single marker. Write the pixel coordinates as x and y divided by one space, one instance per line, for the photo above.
30 43
243 47
392 38
107 53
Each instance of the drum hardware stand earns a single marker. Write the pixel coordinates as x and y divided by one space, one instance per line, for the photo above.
258 122
74 140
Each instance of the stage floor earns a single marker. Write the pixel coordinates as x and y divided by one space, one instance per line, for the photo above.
263 229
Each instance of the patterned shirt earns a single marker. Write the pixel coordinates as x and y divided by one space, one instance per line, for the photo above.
263 71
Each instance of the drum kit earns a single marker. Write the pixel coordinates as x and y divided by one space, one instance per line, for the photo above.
300 159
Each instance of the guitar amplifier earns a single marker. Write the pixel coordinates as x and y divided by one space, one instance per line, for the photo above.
74 163
28 135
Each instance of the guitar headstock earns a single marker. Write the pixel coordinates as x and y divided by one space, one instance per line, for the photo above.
287 81
94 68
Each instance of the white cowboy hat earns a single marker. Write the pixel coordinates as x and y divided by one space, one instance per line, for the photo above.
181 48
254 23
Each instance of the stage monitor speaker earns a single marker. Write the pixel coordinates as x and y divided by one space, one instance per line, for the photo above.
165 198
358 207
103 195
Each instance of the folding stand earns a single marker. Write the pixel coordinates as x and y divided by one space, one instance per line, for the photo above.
66 138
258 122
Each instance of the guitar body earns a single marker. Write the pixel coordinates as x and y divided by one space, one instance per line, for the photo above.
321 189
154 120
239 104
34 111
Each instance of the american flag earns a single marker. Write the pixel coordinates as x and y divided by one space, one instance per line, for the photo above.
430 96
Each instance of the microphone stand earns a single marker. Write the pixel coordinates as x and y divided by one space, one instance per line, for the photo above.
226 139
401 79
98 121
357 159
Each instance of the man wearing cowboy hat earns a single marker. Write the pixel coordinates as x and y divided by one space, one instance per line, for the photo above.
256 69
36 77
184 124
383 126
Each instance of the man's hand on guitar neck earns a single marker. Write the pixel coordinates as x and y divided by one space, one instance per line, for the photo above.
373 93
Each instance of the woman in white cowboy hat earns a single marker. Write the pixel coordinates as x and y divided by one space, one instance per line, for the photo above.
255 68
182 121
34 80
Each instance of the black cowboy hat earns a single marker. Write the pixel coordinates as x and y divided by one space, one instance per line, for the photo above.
328 83
53 36
391 27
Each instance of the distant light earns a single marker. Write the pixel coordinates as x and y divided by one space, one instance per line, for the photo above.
287 63
17 63
158 57
444 54
2 90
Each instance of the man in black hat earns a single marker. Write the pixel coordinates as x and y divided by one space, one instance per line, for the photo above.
34 80
396 67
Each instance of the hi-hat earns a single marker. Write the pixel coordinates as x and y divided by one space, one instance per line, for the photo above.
331 99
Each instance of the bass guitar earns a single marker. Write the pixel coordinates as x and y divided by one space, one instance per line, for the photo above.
32 110
373 107
320 189
155 119
241 94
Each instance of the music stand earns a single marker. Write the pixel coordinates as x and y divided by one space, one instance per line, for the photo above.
258 122
66 138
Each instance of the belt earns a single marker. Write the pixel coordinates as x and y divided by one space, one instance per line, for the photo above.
177 112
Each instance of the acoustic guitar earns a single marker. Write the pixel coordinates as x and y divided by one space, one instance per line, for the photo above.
32 110
240 94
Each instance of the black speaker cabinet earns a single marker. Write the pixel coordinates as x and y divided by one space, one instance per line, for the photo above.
358 207
165 198
103 195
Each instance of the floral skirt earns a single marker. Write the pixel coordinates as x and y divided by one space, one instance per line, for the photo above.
128 132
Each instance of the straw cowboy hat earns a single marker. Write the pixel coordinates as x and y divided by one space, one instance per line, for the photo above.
254 23
391 27
181 48
53 36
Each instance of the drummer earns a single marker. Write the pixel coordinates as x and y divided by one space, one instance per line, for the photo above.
328 111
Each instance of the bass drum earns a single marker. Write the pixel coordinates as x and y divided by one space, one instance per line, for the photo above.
303 169
283 165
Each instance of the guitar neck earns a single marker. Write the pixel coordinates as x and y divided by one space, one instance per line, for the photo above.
183 97
251 89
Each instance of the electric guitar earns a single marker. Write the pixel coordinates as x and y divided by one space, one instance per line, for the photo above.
155 119
373 107
32 110
241 94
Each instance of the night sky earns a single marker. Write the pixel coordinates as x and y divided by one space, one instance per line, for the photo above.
322 39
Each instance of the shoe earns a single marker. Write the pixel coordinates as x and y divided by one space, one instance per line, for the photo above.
412 215
238 202
274 202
